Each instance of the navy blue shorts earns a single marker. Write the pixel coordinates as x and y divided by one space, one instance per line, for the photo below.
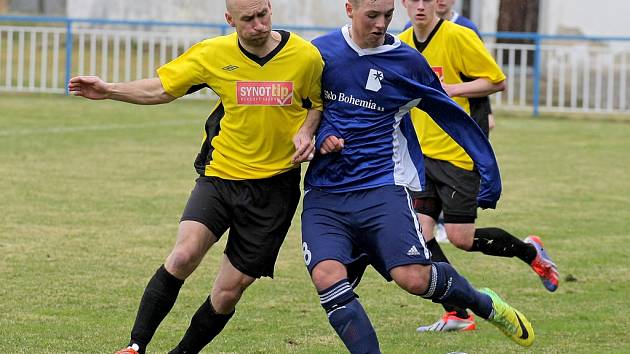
375 226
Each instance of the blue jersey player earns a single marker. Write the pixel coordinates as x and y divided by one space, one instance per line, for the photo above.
357 208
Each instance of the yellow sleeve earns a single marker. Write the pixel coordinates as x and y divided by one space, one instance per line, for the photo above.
315 84
475 58
185 71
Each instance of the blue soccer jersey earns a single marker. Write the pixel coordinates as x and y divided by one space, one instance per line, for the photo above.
367 97
465 21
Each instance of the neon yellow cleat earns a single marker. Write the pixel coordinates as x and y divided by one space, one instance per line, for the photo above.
510 321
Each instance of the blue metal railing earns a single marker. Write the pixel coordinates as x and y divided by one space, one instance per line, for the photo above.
538 39
69 23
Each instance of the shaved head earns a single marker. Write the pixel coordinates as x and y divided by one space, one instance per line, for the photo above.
234 5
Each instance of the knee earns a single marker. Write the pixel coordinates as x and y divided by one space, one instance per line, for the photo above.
181 263
327 273
413 278
461 241
461 235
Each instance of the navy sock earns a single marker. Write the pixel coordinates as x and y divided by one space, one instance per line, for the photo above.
448 287
157 301
438 256
348 318
498 242
204 326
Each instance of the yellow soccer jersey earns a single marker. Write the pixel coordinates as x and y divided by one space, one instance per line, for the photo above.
452 50
263 102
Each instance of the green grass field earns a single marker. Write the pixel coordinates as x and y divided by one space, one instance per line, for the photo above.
91 194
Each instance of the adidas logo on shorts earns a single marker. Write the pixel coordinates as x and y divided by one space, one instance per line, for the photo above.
413 251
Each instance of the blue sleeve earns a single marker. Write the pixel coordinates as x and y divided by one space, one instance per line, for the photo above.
458 124
324 131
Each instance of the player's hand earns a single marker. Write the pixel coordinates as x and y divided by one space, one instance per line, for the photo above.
491 122
91 87
449 89
304 148
331 144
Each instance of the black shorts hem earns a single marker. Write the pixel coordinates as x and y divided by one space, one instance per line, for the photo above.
204 223
459 219
241 268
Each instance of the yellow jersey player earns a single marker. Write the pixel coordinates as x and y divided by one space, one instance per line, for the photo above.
268 83
452 181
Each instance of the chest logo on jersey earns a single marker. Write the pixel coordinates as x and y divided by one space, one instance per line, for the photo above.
374 80
264 93
439 71
230 68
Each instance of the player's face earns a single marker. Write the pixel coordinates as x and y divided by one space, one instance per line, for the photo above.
443 7
252 20
370 19
420 12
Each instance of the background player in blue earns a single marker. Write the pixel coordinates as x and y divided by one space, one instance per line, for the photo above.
357 208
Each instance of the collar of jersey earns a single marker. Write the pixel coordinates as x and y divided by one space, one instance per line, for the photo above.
345 30
455 16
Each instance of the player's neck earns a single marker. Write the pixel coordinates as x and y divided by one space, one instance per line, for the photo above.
448 16
263 50
422 32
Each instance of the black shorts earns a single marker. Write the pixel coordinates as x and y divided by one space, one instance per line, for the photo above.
451 189
257 212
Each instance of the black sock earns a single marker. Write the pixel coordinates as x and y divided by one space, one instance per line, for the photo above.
498 242
204 326
438 256
157 301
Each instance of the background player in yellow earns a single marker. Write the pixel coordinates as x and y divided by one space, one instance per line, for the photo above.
452 183
269 85
480 109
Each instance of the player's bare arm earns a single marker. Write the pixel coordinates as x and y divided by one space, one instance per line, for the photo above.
303 139
477 88
146 91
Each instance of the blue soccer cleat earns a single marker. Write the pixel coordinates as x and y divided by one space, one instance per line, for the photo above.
543 265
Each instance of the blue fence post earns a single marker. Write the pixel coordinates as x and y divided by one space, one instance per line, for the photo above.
69 44
537 74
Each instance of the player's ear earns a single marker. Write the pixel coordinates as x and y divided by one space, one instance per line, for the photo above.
229 19
349 9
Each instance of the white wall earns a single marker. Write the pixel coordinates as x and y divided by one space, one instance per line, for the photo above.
488 13
588 17
329 13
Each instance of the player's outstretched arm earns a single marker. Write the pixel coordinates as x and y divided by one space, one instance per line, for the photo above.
303 139
146 91
480 87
